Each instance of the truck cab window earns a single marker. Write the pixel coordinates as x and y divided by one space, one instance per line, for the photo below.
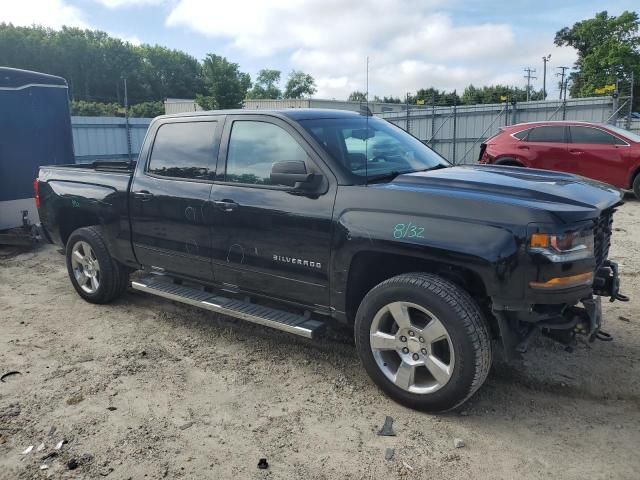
184 150
254 147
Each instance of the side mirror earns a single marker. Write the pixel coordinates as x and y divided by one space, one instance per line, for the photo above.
293 174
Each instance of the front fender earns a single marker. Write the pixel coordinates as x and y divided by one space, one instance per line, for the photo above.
490 251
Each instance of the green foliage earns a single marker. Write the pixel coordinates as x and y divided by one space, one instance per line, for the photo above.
608 49
386 99
432 96
299 85
357 96
266 85
495 93
147 110
94 64
225 85
96 109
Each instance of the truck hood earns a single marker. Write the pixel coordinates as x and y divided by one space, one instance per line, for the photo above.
569 197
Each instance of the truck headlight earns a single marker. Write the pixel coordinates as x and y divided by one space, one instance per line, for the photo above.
563 247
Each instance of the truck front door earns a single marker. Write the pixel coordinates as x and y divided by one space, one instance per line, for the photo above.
268 238
170 213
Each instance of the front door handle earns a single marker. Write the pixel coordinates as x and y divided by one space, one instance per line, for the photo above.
226 205
575 152
143 195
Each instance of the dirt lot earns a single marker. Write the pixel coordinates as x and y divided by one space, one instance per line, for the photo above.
144 388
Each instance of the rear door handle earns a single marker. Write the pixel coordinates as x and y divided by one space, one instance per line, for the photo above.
143 195
523 147
575 152
226 205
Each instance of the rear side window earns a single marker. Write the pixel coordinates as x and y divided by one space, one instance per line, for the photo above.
593 136
184 150
254 147
546 134
521 135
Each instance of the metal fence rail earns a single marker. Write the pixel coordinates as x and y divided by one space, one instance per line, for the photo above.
454 132
105 138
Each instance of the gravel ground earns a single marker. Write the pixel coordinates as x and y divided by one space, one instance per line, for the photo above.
144 388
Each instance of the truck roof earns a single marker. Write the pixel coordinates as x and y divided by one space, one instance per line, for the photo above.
292 113
14 78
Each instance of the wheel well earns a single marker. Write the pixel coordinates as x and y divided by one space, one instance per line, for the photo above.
72 219
509 162
633 177
368 269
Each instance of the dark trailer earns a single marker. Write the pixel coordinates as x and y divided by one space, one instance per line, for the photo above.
35 129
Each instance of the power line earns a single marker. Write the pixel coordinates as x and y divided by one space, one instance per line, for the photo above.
529 77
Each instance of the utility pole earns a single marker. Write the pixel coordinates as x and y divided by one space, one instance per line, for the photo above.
544 76
630 101
529 71
562 75
407 104
564 101
126 119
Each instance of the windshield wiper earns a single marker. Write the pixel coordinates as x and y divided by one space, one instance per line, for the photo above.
389 176
435 167
385 176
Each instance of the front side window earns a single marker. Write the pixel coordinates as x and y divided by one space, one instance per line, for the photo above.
254 147
184 150
591 136
370 147
547 135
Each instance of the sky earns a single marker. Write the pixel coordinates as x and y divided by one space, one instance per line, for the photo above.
411 44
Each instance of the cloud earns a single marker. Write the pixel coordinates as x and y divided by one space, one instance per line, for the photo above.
411 44
48 13
132 39
128 3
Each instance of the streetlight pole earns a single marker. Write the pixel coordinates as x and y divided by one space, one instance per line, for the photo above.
544 76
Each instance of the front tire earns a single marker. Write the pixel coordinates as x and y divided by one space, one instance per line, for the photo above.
423 341
95 275
636 186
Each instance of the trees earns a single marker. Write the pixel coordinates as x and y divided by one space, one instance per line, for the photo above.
299 84
357 96
95 64
170 73
496 93
608 49
432 96
225 85
266 85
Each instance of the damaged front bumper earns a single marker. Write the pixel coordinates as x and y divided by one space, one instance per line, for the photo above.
562 322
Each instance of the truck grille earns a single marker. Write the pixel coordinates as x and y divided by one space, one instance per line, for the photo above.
602 229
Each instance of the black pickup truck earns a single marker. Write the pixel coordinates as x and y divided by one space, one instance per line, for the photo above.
295 218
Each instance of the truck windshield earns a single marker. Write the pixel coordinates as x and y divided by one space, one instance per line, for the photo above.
372 148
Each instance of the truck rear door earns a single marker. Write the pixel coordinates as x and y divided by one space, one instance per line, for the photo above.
169 197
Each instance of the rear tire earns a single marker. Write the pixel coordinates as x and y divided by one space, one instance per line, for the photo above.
95 275
423 341
636 186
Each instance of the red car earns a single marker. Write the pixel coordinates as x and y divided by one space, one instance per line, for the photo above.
602 152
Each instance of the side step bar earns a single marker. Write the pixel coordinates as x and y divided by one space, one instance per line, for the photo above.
269 317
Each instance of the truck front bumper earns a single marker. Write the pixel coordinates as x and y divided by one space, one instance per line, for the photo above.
562 321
